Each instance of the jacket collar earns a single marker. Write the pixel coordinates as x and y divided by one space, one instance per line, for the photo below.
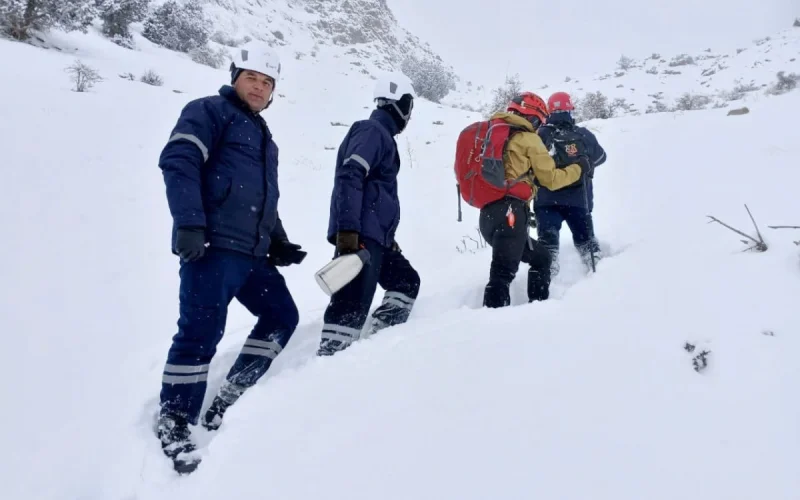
560 120
229 93
385 119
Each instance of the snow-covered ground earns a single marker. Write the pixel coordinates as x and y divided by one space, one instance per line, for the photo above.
729 75
547 41
588 395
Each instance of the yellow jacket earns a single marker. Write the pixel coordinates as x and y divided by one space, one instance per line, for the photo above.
526 154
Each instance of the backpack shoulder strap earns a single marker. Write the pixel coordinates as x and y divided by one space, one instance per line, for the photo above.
513 129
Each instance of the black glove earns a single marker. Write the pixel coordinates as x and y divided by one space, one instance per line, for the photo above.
190 243
284 253
347 242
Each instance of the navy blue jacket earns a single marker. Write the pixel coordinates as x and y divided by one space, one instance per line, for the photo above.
220 168
364 197
581 194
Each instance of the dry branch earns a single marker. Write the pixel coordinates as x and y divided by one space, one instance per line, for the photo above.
758 244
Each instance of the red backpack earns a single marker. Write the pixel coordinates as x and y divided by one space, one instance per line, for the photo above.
479 167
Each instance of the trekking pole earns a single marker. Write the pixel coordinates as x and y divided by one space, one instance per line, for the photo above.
458 193
589 214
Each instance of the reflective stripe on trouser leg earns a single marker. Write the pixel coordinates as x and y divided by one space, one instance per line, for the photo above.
337 338
183 388
348 309
266 296
252 363
207 286
185 376
395 309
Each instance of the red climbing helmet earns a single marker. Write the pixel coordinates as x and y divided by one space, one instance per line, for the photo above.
560 101
529 104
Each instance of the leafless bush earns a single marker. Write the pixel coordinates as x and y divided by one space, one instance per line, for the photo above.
503 94
658 106
692 102
593 105
83 76
784 84
681 60
625 63
223 38
430 78
150 77
620 104
208 56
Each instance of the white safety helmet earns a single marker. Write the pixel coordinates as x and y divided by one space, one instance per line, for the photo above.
393 86
391 90
258 57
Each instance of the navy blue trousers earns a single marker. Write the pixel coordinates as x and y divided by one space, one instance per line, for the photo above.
348 309
207 288
579 221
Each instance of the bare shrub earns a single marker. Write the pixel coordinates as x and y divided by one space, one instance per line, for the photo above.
214 58
681 60
784 84
150 77
692 102
503 94
593 105
83 76
625 63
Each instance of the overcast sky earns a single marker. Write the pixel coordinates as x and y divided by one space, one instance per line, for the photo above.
548 40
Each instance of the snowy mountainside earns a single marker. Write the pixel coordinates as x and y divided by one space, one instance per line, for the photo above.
592 394
728 76
363 33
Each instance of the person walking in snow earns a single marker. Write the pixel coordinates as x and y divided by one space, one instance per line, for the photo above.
574 204
220 167
504 223
365 213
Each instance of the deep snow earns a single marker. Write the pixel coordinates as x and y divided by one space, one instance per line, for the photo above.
588 395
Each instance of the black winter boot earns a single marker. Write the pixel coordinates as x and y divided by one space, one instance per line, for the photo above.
496 295
538 284
228 394
176 443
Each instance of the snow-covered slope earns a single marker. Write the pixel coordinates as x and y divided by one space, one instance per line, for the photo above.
728 76
360 32
546 41
588 395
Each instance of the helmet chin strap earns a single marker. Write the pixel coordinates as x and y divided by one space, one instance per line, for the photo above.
271 96
405 117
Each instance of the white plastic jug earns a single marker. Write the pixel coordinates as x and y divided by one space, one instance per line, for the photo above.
341 271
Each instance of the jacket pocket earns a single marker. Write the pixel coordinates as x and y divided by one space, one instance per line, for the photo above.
217 190
389 211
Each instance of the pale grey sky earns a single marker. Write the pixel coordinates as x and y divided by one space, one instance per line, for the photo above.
548 40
